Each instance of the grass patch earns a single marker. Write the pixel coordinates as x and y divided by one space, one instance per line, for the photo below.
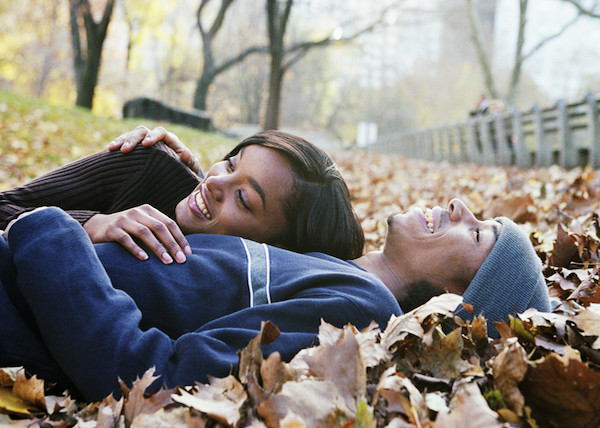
36 137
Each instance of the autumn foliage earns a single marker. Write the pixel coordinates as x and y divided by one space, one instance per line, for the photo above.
427 368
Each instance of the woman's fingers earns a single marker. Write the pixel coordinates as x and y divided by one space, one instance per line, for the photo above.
126 142
173 141
147 137
161 234
156 231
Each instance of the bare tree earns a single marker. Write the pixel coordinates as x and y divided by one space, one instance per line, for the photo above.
282 58
520 56
211 69
87 38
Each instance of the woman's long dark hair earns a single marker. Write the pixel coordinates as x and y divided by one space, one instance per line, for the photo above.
318 210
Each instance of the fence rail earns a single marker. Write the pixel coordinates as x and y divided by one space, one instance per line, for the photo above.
567 134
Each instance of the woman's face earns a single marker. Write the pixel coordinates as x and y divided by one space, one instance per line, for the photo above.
240 196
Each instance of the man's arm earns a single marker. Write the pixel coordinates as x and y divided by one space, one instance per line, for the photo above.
92 329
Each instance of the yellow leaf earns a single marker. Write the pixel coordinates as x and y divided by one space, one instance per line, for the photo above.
10 403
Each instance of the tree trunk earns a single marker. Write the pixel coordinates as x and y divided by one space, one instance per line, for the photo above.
275 81
276 24
478 42
87 60
515 76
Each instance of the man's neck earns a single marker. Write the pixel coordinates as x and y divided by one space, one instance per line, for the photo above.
377 263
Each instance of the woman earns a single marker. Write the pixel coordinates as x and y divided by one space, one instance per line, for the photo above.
272 187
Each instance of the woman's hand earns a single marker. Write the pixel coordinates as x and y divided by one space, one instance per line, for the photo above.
126 142
161 234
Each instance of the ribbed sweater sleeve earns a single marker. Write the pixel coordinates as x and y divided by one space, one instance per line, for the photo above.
105 182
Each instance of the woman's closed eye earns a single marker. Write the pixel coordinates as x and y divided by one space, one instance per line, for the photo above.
242 200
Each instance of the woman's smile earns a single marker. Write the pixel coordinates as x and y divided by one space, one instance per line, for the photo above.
198 205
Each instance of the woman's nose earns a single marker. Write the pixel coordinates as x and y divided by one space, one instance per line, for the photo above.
216 185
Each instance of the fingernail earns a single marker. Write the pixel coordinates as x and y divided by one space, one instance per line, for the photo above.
142 255
180 257
167 258
187 250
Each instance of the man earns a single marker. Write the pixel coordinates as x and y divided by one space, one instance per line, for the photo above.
103 315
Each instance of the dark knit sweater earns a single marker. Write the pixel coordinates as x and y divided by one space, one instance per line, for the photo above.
106 182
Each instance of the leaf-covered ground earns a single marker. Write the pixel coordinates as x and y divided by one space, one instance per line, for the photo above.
543 372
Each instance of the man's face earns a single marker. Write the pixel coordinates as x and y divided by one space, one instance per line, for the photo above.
442 247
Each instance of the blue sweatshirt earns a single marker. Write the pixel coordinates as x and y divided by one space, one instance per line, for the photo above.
105 315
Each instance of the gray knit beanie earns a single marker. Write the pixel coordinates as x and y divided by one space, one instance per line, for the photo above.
509 281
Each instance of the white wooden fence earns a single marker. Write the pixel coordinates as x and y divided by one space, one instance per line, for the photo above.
564 134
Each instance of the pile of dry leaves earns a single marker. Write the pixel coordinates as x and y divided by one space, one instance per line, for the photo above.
427 368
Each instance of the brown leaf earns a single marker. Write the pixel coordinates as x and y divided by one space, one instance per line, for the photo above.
509 368
174 418
251 356
443 359
109 412
519 208
468 408
275 373
588 321
136 402
30 390
401 396
563 391
221 400
342 364
565 251
398 328
316 402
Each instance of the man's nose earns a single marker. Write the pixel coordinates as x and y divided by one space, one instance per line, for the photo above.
459 211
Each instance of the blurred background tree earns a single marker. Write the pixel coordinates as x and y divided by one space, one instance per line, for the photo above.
400 64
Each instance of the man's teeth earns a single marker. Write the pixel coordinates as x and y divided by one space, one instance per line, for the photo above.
202 206
429 218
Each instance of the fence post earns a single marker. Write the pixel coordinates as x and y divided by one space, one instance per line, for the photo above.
593 130
567 148
450 138
428 145
485 138
502 150
543 156
461 141
522 155
472 142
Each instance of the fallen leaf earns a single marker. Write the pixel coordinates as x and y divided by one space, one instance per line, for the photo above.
563 391
509 368
443 359
29 389
221 400
136 402
468 408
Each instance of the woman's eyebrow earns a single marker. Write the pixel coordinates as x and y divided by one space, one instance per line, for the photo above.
259 190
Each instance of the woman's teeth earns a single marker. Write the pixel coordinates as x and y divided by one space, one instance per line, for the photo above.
429 218
202 206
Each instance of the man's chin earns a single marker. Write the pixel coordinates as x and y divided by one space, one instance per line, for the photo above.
417 294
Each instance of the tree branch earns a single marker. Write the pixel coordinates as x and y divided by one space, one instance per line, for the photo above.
583 10
542 42
299 50
476 36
